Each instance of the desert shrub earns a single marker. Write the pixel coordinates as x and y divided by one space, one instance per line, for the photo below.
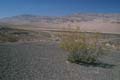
82 47
45 34
12 39
8 38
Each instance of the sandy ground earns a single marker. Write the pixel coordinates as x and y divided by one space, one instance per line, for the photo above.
46 61
87 26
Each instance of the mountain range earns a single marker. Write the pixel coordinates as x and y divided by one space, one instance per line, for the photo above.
90 22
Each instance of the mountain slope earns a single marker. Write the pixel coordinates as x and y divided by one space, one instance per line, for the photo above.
106 23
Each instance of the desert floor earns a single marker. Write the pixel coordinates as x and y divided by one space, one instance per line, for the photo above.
46 61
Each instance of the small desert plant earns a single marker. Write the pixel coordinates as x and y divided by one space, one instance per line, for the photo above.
8 38
82 47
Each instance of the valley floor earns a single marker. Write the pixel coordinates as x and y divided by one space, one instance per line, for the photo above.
46 61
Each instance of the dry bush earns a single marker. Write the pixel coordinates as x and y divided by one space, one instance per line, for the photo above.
8 38
82 47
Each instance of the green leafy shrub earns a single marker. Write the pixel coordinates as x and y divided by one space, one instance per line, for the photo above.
82 47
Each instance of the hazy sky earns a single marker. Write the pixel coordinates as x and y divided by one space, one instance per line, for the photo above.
57 7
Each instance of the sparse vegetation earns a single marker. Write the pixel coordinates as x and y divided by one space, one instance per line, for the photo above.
8 34
8 38
82 47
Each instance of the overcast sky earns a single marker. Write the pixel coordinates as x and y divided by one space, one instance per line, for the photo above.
57 7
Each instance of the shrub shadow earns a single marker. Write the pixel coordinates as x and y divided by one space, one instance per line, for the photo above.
97 64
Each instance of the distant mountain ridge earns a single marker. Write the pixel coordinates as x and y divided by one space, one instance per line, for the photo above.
78 16
87 22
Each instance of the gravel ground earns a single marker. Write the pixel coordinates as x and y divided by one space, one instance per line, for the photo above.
46 61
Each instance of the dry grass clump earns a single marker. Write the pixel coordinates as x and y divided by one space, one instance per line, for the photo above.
8 38
82 47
